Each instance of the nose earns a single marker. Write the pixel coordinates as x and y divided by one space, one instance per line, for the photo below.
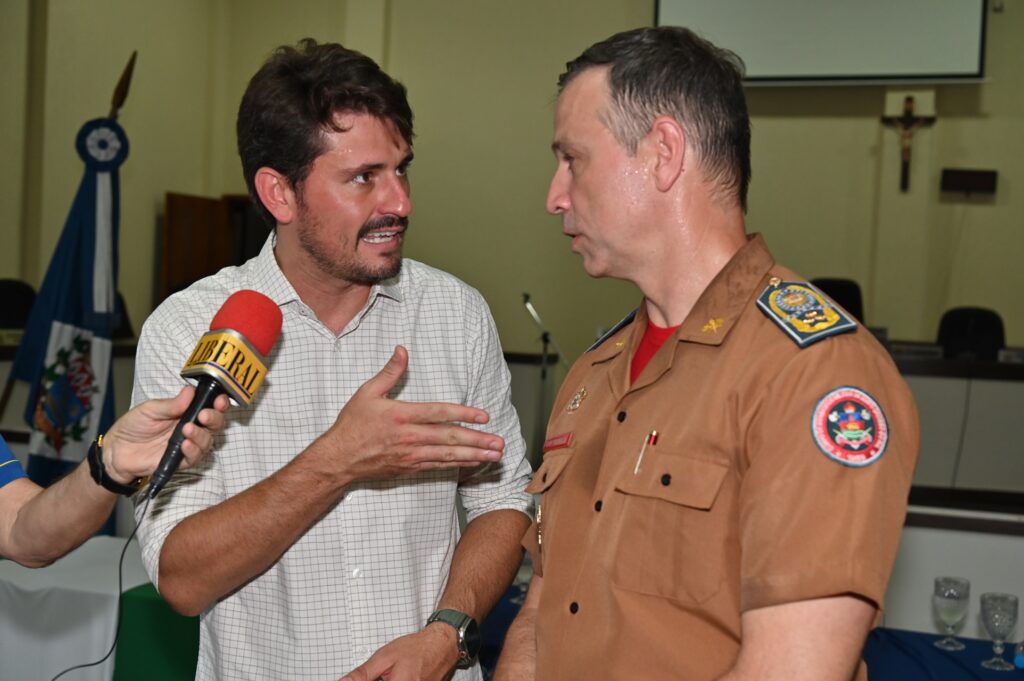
558 192
396 199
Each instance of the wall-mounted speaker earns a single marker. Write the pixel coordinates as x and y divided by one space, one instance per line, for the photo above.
968 181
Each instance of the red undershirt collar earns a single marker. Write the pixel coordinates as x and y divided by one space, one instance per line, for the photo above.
654 337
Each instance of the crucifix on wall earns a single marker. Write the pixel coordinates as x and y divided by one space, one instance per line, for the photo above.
906 124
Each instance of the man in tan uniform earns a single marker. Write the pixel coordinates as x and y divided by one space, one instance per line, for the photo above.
726 473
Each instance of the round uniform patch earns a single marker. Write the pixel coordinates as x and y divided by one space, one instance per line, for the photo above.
849 426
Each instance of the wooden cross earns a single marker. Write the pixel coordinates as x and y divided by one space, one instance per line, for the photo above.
906 125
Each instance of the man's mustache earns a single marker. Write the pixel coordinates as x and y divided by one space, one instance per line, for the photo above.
380 223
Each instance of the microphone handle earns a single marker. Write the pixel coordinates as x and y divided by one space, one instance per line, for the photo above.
207 391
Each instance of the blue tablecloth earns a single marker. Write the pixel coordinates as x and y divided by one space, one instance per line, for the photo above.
899 655
891 654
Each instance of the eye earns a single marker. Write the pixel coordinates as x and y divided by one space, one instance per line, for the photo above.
402 170
363 178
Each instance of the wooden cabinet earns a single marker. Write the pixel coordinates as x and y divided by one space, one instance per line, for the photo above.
200 235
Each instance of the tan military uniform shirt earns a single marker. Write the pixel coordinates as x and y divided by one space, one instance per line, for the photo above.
648 561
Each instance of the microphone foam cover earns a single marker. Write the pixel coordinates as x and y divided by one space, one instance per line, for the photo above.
252 314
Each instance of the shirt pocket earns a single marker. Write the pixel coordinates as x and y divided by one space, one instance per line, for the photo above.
549 472
670 542
543 482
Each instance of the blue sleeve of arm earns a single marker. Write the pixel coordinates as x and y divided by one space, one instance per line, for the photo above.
10 467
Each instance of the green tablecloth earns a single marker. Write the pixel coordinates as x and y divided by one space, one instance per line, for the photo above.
156 644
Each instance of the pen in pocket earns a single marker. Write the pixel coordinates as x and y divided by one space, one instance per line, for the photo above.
651 439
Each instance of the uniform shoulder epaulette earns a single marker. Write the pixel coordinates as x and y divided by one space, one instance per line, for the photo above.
802 311
625 321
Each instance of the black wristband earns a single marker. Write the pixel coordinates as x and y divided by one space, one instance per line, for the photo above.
99 472
467 632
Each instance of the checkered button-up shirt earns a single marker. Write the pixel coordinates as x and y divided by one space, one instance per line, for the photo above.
374 567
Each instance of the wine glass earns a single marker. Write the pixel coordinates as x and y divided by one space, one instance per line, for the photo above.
950 599
999 616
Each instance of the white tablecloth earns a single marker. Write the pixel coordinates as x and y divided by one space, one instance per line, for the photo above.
63 615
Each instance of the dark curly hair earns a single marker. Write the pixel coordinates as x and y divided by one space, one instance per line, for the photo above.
294 98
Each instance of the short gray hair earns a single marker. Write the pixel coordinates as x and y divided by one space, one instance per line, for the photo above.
671 71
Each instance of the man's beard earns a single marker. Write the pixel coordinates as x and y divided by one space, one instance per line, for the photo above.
348 266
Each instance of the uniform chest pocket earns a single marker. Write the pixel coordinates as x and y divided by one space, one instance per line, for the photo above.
549 472
544 482
672 537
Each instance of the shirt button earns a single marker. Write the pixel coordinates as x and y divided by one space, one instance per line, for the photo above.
666 479
574 607
621 416
357 573
598 505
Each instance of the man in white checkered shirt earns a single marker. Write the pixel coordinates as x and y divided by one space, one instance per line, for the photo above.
322 532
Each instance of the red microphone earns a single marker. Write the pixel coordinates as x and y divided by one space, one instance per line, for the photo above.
229 359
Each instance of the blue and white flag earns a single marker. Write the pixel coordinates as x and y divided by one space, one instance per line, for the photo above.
66 350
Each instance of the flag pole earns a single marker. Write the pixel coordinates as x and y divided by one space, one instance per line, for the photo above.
116 102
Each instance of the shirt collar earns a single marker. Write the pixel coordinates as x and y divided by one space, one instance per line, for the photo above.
268 278
715 312
389 288
710 320
622 339
728 294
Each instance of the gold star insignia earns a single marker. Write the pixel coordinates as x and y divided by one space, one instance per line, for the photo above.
774 281
713 325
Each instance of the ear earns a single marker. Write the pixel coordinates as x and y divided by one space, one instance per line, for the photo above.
667 141
277 195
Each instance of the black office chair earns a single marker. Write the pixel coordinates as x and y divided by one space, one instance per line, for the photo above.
971 333
18 298
845 292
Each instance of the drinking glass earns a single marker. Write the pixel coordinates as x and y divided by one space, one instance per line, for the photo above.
999 616
949 600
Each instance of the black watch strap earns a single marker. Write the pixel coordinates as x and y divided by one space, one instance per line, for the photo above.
99 472
468 634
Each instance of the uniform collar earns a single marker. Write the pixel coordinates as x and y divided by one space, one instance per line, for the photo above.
714 313
713 316
728 294
613 345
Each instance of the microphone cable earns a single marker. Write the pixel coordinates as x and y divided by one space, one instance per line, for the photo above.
120 600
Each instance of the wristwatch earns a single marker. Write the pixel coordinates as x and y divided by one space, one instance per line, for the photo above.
468 631
99 472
